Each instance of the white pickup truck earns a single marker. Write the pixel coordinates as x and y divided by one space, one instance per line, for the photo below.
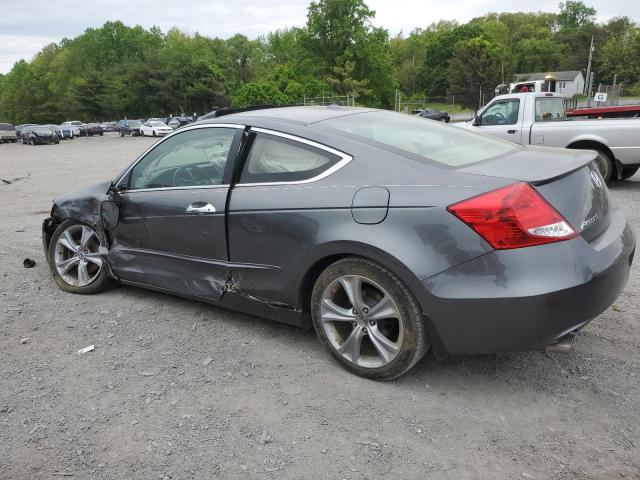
539 119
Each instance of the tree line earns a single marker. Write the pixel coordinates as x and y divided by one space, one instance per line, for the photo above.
118 70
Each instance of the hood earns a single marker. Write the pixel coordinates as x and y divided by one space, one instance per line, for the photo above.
82 204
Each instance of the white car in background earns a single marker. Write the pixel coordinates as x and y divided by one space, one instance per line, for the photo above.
155 128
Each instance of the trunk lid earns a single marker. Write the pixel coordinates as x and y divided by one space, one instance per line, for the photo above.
568 179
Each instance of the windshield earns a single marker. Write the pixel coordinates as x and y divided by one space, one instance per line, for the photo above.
410 136
158 124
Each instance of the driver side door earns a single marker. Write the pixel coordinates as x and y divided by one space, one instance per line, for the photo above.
500 119
171 232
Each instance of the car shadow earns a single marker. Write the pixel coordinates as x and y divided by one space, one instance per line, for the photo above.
631 184
460 370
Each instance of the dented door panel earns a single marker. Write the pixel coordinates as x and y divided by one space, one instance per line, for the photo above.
158 243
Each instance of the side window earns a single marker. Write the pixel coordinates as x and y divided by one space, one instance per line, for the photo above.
277 159
502 112
189 159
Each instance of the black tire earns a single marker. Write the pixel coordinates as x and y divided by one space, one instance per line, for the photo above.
33 142
121 134
154 133
104 281
629 172
414 344
605 165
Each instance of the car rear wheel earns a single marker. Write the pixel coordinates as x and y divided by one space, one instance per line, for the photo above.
368 319
75 260
33 141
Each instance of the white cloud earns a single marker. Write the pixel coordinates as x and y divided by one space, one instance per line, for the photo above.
25 33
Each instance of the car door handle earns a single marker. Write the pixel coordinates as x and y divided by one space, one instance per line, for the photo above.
201 207
512 131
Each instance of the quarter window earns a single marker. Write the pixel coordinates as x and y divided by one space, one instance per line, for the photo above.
277 159
189 159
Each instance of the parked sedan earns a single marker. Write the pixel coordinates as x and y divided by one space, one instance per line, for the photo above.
177 122
8 133
109 126
94 129
432 114
129 127
388 234
20 127
82 127
57 130
38 135
155 128
69 131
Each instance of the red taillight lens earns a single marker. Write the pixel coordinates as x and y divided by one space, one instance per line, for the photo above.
514 216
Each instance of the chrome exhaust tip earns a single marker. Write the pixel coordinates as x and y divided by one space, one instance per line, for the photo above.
563 345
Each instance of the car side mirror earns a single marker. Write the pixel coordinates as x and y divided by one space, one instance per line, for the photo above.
109 214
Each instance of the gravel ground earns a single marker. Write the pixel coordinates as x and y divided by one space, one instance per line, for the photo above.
182 390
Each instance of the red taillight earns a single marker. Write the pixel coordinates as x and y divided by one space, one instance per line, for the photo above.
514 216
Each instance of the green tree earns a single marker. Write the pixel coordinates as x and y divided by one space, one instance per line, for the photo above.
474 68
340 31
574 15
433 76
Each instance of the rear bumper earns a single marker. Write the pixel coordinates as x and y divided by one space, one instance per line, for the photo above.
525 299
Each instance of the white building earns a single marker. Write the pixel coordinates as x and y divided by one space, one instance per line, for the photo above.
568 83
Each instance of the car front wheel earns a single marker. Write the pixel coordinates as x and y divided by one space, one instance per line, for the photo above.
75 260
368 319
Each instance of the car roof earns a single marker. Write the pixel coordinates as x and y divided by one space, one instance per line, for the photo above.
297 115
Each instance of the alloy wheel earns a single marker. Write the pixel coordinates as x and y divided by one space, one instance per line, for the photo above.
361 321
76 255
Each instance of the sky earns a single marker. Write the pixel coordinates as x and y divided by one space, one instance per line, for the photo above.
24 31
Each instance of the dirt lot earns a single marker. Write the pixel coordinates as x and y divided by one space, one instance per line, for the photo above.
146 403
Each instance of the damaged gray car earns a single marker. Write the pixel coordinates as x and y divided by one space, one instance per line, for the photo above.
388 234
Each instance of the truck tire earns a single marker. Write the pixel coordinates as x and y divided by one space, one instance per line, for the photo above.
605 165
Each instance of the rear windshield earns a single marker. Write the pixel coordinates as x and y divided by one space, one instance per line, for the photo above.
549 109
419 139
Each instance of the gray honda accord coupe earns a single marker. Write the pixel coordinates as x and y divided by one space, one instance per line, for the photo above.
390 235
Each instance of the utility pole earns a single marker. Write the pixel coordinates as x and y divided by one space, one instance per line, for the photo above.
589 74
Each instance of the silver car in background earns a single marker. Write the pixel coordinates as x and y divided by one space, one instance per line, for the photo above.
8 133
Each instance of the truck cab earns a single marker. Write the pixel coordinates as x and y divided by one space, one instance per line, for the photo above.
539 119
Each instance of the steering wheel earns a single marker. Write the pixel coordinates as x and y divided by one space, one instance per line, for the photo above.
493 119
183 177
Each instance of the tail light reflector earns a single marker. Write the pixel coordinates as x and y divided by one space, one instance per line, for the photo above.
514 216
